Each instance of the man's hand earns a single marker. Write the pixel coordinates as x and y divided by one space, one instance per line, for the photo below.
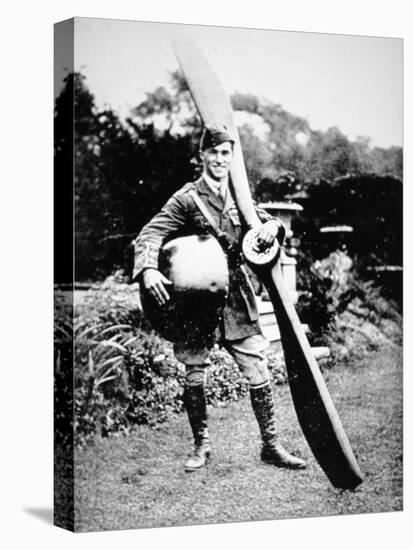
154 282
268 232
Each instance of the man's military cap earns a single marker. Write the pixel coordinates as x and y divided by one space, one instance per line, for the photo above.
215 135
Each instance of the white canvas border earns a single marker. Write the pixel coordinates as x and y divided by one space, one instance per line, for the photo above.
26 220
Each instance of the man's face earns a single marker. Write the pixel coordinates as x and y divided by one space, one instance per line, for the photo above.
217 160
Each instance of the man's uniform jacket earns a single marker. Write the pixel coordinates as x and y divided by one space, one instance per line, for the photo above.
179 217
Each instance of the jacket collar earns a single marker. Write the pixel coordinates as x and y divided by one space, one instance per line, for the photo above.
204 189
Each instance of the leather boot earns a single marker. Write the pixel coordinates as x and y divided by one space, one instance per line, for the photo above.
272 452
195 404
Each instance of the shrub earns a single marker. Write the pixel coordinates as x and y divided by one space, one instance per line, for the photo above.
326 288
118 363
63 378
345 312
126 374
121 383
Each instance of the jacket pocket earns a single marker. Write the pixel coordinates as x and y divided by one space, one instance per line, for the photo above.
234 216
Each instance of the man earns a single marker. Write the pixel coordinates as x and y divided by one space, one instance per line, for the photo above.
240 332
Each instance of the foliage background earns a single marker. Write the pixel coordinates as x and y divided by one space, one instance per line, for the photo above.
125 170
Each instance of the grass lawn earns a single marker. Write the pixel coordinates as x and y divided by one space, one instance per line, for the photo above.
138 481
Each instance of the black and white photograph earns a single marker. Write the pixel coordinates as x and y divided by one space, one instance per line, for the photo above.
228 269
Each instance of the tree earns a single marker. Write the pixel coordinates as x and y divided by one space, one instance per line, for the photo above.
126 170
63 183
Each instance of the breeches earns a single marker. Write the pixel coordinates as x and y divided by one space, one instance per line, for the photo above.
248 353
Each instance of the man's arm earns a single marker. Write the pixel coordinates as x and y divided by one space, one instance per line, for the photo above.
272 228
148 243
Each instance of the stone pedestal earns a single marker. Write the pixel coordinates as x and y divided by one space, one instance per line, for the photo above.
284 211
